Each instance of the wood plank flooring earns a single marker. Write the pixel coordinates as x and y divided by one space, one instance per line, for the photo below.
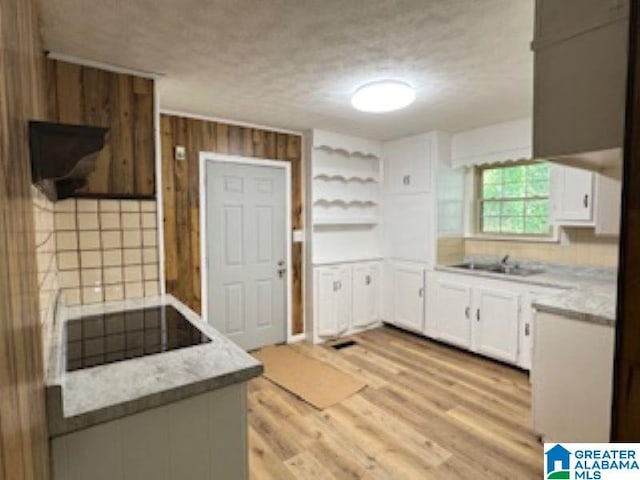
428 412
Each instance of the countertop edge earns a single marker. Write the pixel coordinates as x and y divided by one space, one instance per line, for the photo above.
574 314
59 425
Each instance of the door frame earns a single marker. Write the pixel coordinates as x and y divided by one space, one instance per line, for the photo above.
211 157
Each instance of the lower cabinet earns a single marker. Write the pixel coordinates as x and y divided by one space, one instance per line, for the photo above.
346 297
407 289
333 300
366 294
496 322
571 379
204 436
480 318
489 317
451 308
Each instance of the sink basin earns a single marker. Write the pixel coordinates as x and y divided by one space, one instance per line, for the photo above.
501 268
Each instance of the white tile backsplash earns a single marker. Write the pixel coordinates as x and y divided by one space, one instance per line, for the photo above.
105 249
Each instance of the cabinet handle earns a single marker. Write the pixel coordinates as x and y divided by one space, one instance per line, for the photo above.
335 286
478 314
339 285
420 292
527 329
467 312
367 280
406 180
585 201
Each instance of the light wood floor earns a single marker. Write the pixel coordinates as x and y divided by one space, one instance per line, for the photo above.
428 412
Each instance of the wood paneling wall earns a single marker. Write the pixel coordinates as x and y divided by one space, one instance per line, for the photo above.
23 436
125 104
180 186
626 395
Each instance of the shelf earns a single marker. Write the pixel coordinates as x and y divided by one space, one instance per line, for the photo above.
342 201
348 151
346 176
345 221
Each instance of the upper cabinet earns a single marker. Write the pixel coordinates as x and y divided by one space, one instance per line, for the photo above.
572 193
580 68
124 104
581 198
408 165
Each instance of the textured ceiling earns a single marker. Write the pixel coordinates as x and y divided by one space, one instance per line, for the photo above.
295 63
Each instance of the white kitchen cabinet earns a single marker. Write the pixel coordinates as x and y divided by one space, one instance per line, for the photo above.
608 200
409 228
408 165
366 294
527 319
581 198
451 309
407 288
204 436
486 316
580 70
333 301
496 314
572 195
572 379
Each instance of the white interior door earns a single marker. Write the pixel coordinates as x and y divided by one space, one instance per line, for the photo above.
246 252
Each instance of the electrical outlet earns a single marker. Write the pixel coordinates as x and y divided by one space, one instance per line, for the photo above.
180 153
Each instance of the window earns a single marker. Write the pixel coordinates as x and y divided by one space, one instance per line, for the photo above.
514 199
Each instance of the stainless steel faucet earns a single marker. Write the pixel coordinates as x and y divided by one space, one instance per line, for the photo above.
505 259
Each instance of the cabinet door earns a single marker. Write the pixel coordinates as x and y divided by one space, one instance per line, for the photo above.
451 307
495 319
572 195
408 296
408 165
343 298
408 228
366 297
324 302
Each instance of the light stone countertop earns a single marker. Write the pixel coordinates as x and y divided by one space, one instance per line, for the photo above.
588 294
82 398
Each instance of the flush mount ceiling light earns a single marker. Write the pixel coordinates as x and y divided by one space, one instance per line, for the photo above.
383 96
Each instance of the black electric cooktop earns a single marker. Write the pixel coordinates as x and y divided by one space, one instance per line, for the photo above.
114 337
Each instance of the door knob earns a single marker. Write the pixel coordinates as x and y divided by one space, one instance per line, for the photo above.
281 272
281 263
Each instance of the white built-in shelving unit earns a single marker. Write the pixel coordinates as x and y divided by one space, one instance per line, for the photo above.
346 199
346 186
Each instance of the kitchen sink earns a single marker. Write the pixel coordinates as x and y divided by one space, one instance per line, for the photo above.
501 268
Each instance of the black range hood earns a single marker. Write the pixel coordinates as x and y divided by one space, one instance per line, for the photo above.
63 156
